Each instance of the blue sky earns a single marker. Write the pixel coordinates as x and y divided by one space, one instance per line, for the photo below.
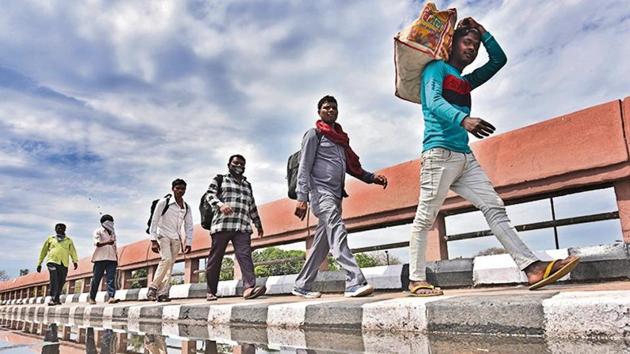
105 102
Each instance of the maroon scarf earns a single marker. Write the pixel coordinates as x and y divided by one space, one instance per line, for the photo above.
338 136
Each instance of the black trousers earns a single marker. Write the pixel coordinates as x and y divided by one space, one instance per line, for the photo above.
58 275
101 268
242 250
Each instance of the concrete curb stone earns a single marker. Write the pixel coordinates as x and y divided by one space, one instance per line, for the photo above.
602 262
501 314
599 262
452 273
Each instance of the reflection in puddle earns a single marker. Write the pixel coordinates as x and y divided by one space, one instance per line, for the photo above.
34 334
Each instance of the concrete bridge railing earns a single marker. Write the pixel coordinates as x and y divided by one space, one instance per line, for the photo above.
584 150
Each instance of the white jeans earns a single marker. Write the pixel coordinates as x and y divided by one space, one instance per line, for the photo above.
442 170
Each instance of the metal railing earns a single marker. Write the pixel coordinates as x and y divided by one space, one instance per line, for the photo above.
553 223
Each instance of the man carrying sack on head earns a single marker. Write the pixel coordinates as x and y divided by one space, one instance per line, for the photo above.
448 163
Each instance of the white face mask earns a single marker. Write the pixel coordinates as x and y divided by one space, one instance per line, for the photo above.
109 225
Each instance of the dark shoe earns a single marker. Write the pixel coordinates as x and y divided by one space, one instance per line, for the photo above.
163 298
254 292
53 303
113 301
152 294
211 297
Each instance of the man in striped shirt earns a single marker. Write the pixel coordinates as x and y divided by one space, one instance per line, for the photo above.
235 210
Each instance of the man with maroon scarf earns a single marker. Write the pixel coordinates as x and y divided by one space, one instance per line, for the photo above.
325 158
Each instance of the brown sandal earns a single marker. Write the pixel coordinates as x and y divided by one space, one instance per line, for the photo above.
254 292
434 291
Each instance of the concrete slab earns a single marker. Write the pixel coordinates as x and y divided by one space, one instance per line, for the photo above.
588 314
500 314
194 312
602 262
405 314
343 314
451 273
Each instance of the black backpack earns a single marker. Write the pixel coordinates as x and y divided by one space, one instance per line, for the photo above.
293 165
153 205
205 209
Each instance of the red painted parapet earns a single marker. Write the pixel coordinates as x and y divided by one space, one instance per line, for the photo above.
573 152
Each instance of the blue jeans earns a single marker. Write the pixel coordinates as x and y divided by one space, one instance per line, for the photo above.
101 267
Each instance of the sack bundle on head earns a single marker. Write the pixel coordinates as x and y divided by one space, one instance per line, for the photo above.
427 38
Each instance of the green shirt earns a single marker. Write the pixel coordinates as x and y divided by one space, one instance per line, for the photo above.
58 252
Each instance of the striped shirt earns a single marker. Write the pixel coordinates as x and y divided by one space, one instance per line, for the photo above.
446 102
238 195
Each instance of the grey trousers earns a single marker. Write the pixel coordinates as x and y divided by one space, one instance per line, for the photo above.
443 170
331 234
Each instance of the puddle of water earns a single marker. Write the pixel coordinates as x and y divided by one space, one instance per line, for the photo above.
57 335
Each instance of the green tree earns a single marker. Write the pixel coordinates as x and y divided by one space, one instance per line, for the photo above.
490 251
4 275
227 269
366 260
23 271
275 261
136 282
78 285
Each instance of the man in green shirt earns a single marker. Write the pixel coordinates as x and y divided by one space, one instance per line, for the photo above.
57 249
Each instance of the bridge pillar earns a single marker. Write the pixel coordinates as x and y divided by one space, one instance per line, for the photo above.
65 333
309 245
191 266
98 336
622 192
71 287
189 347
125 275
85 285
437 248
81 336
121 342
